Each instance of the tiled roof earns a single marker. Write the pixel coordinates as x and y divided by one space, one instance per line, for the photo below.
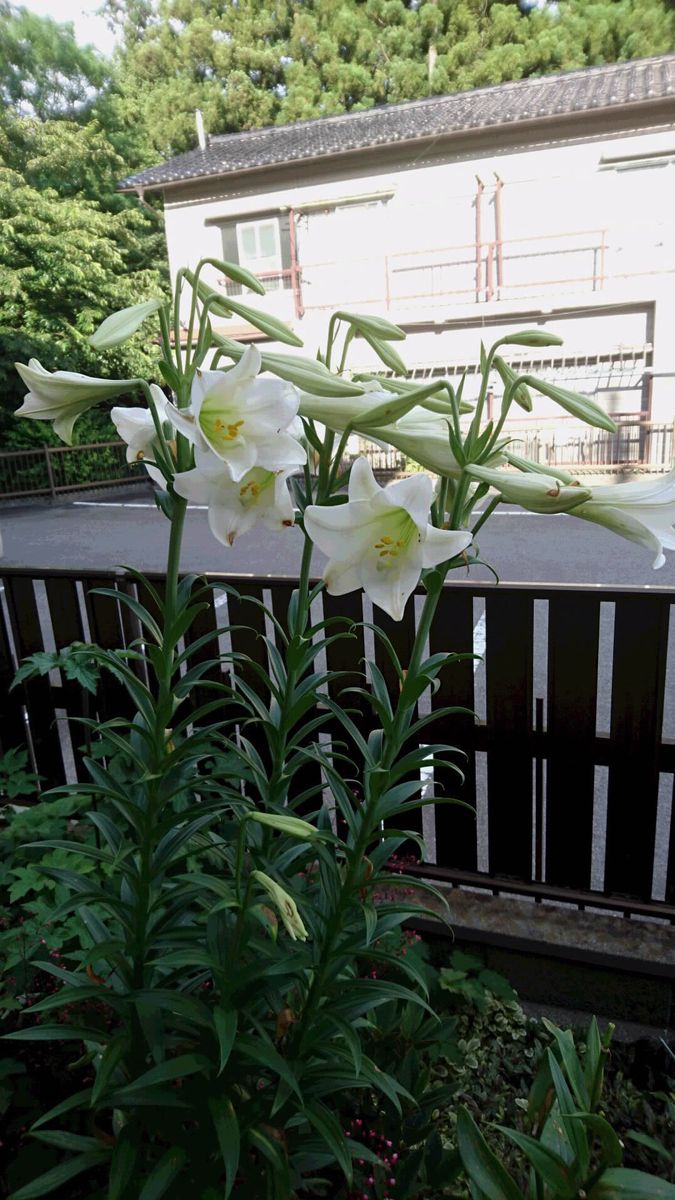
639 81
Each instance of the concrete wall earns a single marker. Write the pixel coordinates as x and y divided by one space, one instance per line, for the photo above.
588 248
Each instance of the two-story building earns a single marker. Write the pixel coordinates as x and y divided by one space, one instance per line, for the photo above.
549 202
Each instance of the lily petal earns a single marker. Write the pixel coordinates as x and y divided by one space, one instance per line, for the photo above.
443 544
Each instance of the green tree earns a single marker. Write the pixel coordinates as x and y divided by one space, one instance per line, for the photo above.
43 70
258 63
71 253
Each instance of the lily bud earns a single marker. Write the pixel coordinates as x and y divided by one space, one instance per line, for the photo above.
531 337
292 825
288 910
119 327
537 493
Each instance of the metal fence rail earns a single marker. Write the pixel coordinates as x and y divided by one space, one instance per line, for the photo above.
638 444
568 765
51 470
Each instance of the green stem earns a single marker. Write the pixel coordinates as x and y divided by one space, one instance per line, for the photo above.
165 327
486 513
335 468
348 340
332 329
176 321
303 585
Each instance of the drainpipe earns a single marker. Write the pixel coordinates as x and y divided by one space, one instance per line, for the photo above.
480 188
499 184
295 270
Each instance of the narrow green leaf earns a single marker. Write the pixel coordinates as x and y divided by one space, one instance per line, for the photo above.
225 1021
227 1131
125 1156
265 1055
611 1147
78 1100
113 1055
570 1060
57 1176
552 1169
163 1175
64 1140
481 1165
55 1033
643 1139
622 1183
172 1068
330 1129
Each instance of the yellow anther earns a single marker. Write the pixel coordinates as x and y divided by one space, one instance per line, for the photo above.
253 488
229 432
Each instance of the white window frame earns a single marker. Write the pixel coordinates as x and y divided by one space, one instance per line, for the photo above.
252 264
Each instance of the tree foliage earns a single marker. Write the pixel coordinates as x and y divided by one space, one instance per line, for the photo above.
43 70
263 62
71 251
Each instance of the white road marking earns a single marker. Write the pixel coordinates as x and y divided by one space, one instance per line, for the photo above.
124 504
202 507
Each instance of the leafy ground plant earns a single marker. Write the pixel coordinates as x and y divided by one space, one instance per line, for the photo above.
233 893
571 1149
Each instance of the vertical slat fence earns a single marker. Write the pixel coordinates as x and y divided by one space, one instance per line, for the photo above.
509 623
637 761
638 685
573 633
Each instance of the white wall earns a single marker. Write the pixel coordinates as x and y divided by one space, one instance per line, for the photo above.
582 239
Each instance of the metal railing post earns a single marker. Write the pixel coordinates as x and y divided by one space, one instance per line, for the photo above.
50 473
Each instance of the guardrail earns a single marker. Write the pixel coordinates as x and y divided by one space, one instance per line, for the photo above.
51 470
567 763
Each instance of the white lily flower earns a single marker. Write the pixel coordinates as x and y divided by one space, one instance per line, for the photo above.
642 512
234 505
381 539
137 428
242 417
534 491
62 396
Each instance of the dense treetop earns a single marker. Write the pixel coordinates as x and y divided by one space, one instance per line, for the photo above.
248 63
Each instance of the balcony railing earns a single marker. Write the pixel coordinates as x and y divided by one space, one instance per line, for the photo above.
637 445
517 268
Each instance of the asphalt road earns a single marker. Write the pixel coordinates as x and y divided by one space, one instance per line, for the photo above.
124 527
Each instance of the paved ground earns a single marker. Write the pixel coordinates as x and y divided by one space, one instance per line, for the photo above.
124 527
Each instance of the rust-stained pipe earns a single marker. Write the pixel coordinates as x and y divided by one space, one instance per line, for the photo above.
295 273
499 184
480 188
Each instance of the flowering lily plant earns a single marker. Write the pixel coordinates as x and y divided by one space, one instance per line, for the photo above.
245 822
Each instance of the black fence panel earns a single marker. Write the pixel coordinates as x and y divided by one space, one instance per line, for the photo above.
557 808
